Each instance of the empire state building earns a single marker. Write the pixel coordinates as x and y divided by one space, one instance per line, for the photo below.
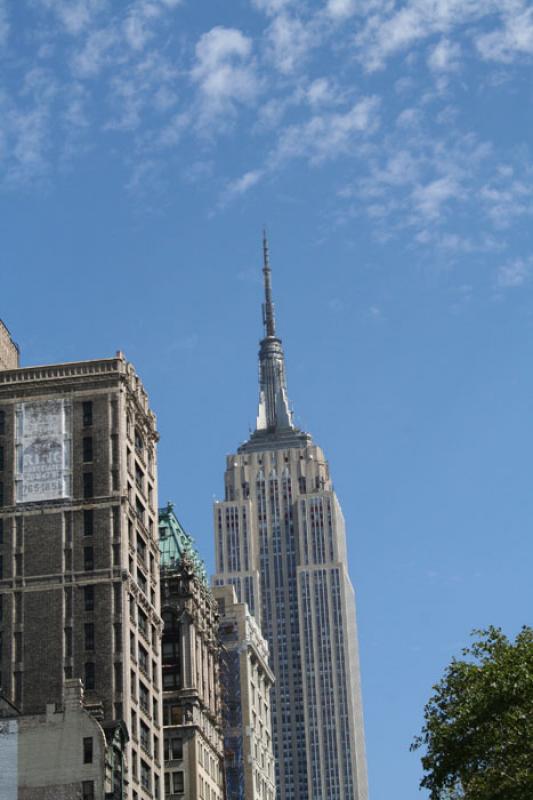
280 541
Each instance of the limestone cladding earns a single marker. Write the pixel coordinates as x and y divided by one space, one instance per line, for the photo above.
281 542
79 558
247 683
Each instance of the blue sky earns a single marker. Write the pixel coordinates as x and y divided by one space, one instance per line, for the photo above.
387 147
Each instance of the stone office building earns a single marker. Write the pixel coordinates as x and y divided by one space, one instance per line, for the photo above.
193 744
79 557
247 681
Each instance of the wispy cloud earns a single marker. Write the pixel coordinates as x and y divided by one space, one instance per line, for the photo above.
4 24
515 273
224 72
513 39
444 57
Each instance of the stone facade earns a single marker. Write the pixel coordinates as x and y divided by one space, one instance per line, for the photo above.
193 743
79 558
246 687
9 352
64 753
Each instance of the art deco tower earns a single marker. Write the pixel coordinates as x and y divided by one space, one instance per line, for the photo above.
280 541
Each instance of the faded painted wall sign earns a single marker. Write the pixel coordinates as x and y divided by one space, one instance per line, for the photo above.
43 450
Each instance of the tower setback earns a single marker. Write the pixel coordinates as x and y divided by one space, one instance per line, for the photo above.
280 541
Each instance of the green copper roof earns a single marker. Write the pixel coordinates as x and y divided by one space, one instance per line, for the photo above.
174 542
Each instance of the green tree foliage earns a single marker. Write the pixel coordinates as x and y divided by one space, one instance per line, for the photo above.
478 730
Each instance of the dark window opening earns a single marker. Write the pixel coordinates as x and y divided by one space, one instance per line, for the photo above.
89 676
173 748
87 414
88 598
88 750
88 558
87 790
2 422
87 448
87 484
89 636
88 522
1 458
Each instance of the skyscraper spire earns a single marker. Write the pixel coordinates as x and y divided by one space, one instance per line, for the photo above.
274 413
269 319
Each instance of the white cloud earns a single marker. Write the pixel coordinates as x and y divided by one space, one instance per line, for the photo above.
444 57
513 274
323 92
328 136
224 71
74 15
513 39
394 30
241 185
95 53
430 198
340 9
271 7
289 42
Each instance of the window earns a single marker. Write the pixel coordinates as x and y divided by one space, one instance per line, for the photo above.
1 532
171 679
87 448
88 558
87 414
87 790
2 422
87 484
1 493
68 642
88 598
1 458
173 748
141 547
178 783
145 776
141 580
172 714
88 750
88 522
89 676
143 623
1 567
143 697
143 659
170 652
145 737
89 635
